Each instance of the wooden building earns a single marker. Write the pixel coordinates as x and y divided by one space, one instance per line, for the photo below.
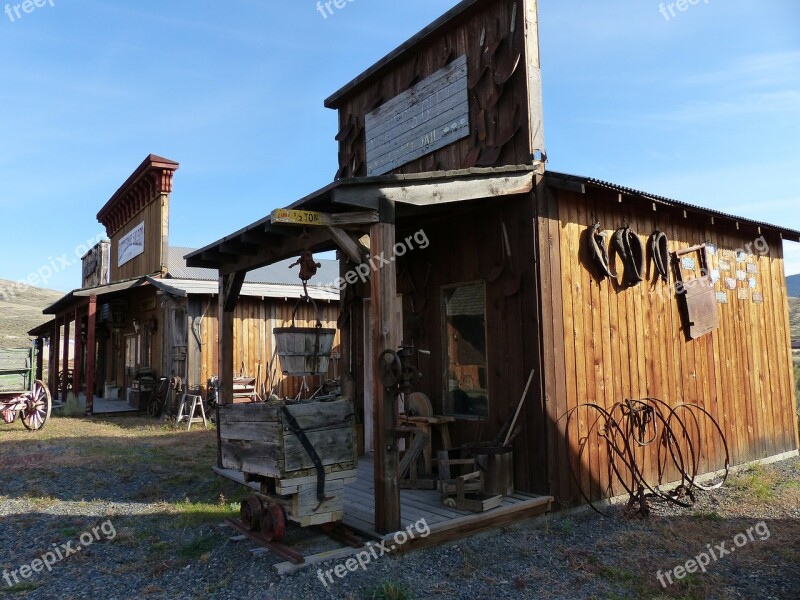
140 307
487 265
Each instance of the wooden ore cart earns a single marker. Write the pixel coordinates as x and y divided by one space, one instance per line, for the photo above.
302 454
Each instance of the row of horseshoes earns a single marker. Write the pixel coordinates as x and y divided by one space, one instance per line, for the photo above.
631 250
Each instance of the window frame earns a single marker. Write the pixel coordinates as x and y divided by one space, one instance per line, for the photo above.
446 355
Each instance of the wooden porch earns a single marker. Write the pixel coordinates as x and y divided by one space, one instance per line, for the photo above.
445 524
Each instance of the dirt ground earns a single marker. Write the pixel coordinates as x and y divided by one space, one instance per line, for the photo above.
152 487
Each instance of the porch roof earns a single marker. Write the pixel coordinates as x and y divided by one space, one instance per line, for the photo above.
264 242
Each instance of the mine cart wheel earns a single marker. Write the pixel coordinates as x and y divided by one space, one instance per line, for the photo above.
38 407
251 513
273 522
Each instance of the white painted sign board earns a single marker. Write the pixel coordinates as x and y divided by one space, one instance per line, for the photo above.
130 245
432 114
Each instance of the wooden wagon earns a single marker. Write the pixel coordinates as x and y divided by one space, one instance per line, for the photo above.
302 454
22 396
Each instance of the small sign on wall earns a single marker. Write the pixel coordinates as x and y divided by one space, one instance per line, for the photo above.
130 245
758 298
752 268
725 266
722 297
744 294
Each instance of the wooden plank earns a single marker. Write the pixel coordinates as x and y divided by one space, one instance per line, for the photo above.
470 525
333 447
441 192
339 554
533 75
409 126
350 246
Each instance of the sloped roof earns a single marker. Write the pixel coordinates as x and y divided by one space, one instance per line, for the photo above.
279 273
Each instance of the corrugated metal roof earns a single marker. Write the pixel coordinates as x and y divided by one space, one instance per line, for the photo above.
279 273
187 287
790 234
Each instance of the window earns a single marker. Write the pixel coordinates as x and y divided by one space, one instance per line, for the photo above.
464 310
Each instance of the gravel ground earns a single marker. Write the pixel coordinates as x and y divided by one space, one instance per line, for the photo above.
151 488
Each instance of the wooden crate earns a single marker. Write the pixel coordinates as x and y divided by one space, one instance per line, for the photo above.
256 440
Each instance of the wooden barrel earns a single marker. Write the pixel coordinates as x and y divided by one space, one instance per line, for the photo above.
304 350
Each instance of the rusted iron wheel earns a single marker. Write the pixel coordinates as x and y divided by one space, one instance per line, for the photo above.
38 407
251 513
273 522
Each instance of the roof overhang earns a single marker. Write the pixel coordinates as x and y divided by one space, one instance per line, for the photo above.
44 330
265 242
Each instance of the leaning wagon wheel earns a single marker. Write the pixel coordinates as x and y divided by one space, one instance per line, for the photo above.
251 513
38 407
273 522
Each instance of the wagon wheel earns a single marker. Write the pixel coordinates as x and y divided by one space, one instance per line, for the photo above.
273 522
251 513
38 407
158 400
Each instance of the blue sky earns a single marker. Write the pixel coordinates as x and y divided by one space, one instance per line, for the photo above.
703 106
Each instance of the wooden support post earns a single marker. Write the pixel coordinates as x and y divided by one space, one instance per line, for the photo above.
55 349
91 353
65 361
384 308
39 358
230 286
345 324
77 364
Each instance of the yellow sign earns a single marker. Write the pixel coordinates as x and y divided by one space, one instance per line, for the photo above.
300 217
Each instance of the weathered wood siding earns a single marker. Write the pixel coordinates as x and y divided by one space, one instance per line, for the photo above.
605 344
496 111
254 320
155 216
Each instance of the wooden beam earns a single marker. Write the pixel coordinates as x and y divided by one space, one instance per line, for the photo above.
91 352
355 218
349 245
39 358
383 306
76 363
230 286
65 360
568 185
436 193
55 349
317 239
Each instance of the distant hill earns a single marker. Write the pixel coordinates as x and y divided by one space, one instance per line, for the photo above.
21 311
794 315
793 283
